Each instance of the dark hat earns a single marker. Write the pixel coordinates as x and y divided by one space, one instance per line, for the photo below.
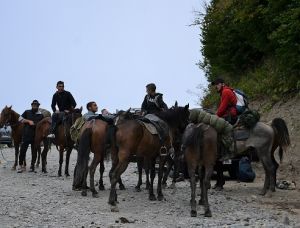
35 102
217 81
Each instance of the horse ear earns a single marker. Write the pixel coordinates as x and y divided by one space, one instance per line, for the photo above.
176 104
9 107
80 109
187 106
128 110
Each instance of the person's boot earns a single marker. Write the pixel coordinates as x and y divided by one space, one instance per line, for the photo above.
51 132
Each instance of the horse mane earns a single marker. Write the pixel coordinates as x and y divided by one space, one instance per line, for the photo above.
172 116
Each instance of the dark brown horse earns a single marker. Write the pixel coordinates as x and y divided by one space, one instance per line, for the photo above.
199 145
11 118
62 139
132 138
95 136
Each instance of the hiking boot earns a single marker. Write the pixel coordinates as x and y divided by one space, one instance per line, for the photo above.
51 136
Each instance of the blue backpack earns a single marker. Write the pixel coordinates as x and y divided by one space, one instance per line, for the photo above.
242 101
246 173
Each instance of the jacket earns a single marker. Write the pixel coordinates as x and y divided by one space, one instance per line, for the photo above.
228 103
153 104
64 100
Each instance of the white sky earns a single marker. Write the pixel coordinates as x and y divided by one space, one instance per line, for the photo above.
106 51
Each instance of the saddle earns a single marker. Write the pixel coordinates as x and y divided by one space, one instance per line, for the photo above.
108 120
155 126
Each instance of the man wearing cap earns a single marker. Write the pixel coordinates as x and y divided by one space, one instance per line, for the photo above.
64 101
227 107
227 110
153 102
30 118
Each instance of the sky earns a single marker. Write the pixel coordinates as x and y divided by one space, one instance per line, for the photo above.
104 51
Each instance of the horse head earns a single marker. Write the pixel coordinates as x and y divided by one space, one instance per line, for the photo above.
6 116
73 115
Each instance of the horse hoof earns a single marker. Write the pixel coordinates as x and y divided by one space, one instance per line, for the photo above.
207 214
164 185
263 192
122 187
37 166
59 174
147 187
137 189
172 186
83 193
95 195
67 174
44 171
101 187
193 213
14 167
160 197
152 197
218 188
200 202
114 209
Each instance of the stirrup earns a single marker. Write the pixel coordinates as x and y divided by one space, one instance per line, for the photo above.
163 151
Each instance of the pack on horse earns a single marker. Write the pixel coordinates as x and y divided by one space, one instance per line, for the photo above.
133 138
264 139
200 149
62 140
11 118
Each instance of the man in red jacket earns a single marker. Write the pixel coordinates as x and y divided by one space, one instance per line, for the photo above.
227 107
227 110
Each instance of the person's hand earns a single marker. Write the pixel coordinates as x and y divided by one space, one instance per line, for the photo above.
30 122
66 111
57 111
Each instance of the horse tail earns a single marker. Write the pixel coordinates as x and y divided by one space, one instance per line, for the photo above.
81 167
281 135
194 139
110 140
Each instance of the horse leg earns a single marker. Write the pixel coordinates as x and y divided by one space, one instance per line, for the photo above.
220 176
84 183
270 171
17 147
166 174
39 156
201 173
115 176
92 169
274 174
101 170
44 155
140 171
162 162
152 197
205 187
68 161
192 169
33 157
61 159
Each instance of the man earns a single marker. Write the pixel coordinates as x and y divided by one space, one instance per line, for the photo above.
227 110
227 107
153 102
92 110
65 103
30 118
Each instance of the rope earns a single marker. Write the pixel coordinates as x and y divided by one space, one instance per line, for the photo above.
1 149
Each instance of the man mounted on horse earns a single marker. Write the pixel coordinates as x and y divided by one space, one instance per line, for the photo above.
65 103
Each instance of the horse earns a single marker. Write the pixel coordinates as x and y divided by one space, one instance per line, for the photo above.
132 138
10 117
62 139
200 149
264 139
94 136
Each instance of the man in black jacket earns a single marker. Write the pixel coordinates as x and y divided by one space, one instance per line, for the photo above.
30 118
65 103
153 102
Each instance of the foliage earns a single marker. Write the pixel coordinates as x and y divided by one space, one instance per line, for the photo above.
253 44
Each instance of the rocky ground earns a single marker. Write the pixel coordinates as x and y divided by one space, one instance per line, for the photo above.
45 200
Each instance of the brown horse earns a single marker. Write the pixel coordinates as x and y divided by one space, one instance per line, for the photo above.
95 136
11 118
62 139
132 138
199 145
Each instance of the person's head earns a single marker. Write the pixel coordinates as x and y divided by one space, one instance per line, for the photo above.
218 83
35 105
92 106
105 112
60 86
150 89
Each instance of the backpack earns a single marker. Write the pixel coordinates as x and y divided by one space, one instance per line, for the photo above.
242 101
246 173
